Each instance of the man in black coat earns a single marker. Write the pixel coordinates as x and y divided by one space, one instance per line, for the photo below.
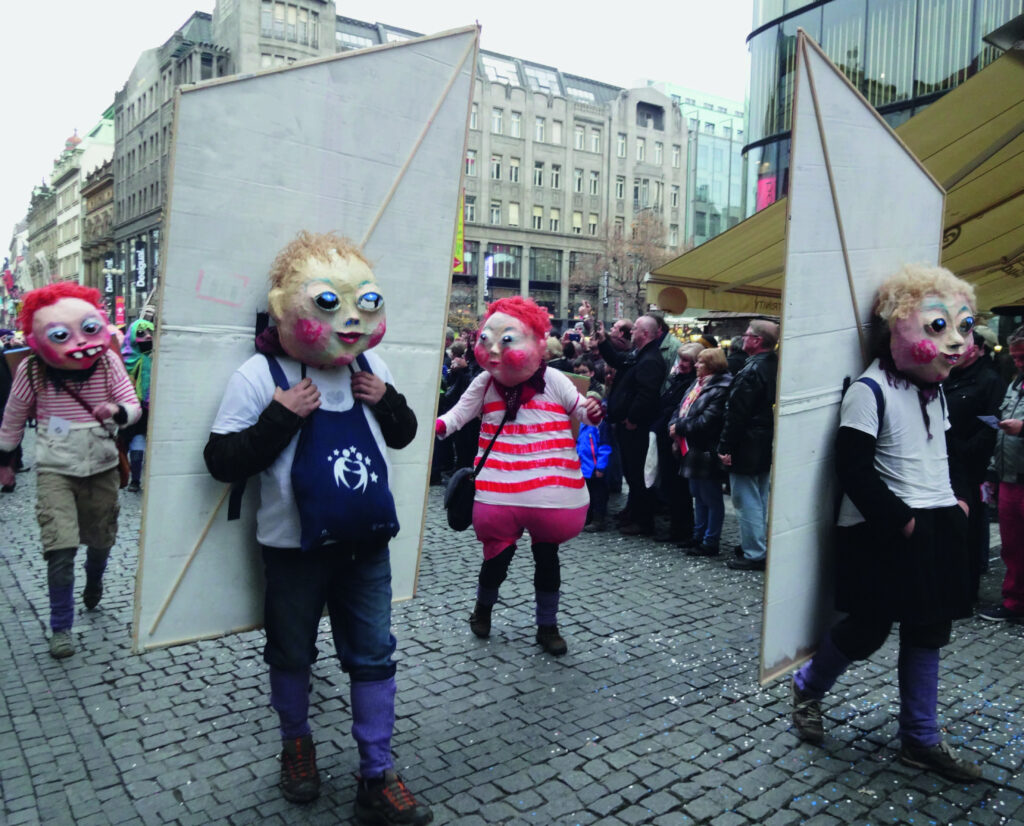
745 446
632 408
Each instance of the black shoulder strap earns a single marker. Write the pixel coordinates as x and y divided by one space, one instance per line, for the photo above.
483 458
880 399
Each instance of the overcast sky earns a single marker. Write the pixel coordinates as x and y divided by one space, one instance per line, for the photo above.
64 61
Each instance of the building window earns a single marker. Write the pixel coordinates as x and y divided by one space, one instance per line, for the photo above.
538 217
556 132
503 261
495 212
592 224
620 226
545 265
471 163
471 258
554 219
595 140
496 167
556 176
709 128
700 223
515 125
675 196
538 130
474 116
595 183
538 173
579 137
470 209
513 214
673 235
620 186
513 170
620 145
677 156
577 223
641 149
727 132
577 180
496 119
693 124
659 153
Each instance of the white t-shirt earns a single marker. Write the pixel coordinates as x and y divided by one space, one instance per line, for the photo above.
250 390
913 467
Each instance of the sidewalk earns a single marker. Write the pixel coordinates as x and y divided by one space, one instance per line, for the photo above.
654 716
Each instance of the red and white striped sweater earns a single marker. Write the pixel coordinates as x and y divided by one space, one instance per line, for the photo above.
533 462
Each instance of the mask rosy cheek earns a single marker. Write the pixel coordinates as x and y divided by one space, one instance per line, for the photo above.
481 354
924 352
377 335
308 331
514 359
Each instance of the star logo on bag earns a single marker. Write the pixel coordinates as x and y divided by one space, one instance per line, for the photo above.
350 469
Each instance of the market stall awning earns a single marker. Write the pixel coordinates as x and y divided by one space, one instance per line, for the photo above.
971 140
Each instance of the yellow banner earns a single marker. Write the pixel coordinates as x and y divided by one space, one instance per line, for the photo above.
458 263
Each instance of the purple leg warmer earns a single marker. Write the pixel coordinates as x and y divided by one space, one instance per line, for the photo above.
62 607
95 563
547 607
373 721
919 695
289 697
819 674
486 596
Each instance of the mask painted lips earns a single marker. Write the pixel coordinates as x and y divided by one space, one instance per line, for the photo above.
350 338
88 353
953 358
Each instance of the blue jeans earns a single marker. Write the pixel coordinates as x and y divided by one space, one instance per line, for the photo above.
708 510
750 498
354 583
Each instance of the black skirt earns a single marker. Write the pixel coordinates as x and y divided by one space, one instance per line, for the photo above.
921 579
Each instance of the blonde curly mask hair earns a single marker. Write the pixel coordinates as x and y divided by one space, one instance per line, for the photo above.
901 295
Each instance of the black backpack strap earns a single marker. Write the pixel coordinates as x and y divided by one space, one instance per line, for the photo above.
880 399
238 488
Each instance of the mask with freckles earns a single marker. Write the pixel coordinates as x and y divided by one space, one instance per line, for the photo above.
70 334
508 349
934 338
328 312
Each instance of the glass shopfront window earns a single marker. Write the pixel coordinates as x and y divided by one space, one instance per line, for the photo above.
890 51
842 37
943 45
545 265
989 15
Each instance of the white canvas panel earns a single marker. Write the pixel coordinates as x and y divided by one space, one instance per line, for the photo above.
889 211
345 144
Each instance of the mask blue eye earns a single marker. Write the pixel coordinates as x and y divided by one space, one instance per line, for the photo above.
91 326
938 325
508 338
58 335
370 302
328 301
967 325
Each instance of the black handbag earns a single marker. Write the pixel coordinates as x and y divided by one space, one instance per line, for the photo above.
461 489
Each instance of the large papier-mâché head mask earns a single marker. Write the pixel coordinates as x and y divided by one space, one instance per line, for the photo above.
930 313
325 301
65 325
512 339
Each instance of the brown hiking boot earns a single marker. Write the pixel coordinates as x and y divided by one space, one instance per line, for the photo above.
807 717
480 620
386 801
550 640
300 781
940 759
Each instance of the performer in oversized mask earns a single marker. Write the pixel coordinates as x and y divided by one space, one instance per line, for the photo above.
79 393
313 414
902 538
531 480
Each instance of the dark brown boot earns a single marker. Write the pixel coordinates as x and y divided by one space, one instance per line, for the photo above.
480 620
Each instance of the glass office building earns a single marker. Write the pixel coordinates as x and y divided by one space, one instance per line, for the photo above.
901 54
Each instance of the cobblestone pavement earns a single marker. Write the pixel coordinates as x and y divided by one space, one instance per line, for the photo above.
655 715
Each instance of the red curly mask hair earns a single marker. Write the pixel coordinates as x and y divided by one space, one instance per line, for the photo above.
533 316
45 296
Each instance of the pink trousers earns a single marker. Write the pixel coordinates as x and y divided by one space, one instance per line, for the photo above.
498 526
1011 532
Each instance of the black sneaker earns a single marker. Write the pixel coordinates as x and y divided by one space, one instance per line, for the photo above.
703 550
92 594
300 781
550 640
940 759
807 716
999 613
385 801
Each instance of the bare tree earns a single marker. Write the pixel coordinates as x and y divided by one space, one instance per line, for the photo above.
628 254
